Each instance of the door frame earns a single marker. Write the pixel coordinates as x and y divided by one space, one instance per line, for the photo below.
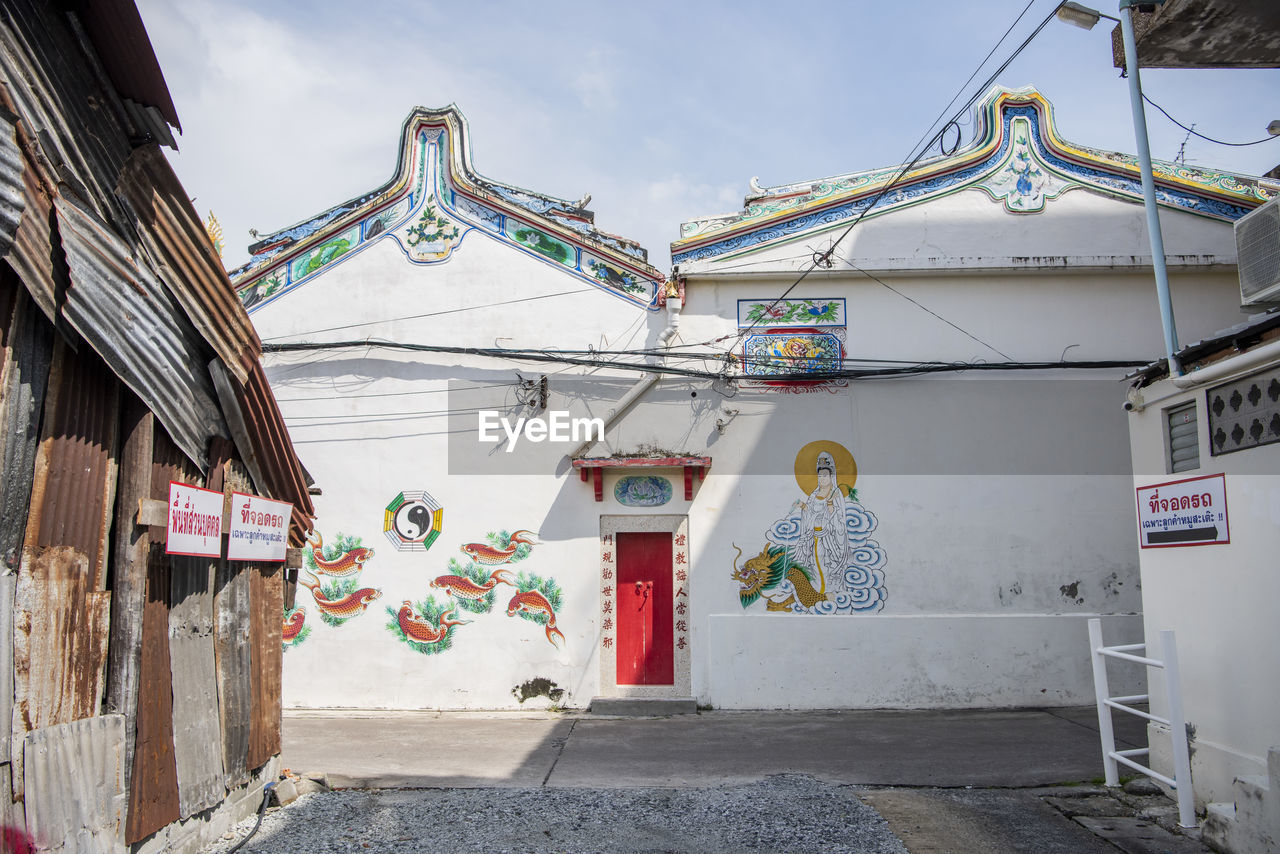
678 527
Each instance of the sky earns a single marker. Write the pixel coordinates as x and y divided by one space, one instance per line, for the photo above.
662 111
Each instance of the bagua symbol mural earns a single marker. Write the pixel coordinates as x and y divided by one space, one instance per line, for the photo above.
413 520
428 626
343 560
819 558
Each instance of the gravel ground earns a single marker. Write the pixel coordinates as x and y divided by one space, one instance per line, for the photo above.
788 813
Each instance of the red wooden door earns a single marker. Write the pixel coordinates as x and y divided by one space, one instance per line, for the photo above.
646 648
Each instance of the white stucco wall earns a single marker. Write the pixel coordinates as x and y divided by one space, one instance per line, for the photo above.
1220 600
1003 503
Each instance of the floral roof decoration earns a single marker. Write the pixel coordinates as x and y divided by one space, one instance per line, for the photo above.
1016 156
432 203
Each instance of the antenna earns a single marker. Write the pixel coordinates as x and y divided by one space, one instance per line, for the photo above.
1181 156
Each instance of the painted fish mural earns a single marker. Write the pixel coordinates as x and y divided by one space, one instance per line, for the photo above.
533 602
419 629
343 608
488 555
294 630
425 626
462 587
348 563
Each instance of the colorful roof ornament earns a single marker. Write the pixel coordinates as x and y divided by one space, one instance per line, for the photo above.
1016 157
434 201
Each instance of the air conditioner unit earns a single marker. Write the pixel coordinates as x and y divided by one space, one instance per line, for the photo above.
1258 254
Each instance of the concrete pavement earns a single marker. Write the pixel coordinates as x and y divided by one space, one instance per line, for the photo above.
1001 748
944 781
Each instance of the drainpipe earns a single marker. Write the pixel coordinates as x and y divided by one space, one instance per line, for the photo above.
1149 185
674 304
1229 367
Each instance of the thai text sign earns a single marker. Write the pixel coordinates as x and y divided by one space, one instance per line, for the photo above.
195 521
1191 512
259 528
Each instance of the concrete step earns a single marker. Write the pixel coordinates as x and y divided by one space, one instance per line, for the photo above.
1220 809
1253 786
640 707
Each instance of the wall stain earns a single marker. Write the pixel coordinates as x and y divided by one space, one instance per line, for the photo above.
1014 590
538 687
1072 591
1112 584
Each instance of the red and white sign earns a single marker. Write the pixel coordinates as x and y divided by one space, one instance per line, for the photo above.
195 521
1191 512
259 528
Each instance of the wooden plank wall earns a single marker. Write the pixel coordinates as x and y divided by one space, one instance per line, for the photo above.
233 655
129 569
266 602
196 725
153 785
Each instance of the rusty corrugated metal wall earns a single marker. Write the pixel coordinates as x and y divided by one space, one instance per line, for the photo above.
124 357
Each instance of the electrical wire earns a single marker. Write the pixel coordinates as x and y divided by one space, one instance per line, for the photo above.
430 314
1202 136
389 393
809 376
905 170
928 310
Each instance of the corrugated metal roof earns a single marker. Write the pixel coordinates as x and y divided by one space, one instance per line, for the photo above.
75 797
121 42
130 320
11 187
189 265
60 98
1239 337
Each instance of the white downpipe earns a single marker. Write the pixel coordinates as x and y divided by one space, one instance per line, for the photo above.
647 381
1228 367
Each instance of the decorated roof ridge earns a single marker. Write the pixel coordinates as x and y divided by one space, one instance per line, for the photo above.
784 210
568 219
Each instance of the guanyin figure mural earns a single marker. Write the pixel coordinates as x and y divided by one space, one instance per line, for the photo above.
819 558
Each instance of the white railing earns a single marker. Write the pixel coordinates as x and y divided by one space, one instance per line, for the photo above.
1180 782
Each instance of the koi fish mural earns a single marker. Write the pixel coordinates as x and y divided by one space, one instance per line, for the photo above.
462 587
819 558
346 559
425 626
537 600
341 602
294 630
420 629
490 554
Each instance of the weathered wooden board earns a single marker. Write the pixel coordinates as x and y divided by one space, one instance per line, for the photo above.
8 582
59 643
266 603
153 783
196 726
75 795
234 660
129 569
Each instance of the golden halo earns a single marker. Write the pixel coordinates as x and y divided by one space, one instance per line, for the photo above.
807 465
